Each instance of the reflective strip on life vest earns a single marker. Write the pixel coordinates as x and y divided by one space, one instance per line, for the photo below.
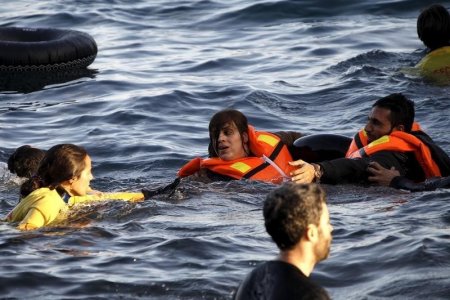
267 139
241 167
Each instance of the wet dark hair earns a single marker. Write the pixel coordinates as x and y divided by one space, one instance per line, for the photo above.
289 209
433 26
25 161
402 110
60 163
219 120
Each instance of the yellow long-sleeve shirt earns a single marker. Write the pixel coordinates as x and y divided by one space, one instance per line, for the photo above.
43 206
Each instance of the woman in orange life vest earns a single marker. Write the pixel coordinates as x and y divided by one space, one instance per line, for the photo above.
390 138
238 151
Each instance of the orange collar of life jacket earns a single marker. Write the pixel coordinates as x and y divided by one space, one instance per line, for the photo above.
270 161
398 141
360 140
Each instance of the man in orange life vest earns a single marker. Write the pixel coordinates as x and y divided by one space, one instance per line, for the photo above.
238 151
391 139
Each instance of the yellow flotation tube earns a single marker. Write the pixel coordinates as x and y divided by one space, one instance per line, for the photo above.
436 65
125 196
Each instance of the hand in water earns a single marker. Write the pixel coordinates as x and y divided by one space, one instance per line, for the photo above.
94 192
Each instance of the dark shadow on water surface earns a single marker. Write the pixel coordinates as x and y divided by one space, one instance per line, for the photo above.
32 81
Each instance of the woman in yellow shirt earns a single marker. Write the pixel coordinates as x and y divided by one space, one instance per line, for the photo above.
63 179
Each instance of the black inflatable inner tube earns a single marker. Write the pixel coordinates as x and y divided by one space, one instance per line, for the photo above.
320 147
44 49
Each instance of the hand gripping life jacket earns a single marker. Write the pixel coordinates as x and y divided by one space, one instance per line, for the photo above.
270 161
397 141
436 64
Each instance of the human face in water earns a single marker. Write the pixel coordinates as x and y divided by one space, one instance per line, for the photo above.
379 123
322 247
79 186
230 144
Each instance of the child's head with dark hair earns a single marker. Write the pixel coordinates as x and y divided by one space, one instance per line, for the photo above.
25 160
433 26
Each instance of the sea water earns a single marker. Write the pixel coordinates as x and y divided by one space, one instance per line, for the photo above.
142 110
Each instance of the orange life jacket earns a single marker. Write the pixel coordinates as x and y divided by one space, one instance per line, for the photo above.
398 141
270 161
360 140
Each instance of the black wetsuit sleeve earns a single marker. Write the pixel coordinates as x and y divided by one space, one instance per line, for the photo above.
346 170
401 182
288 138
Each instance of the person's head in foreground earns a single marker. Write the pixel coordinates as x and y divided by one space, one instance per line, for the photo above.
64 167
433 26
296 217
228 135
25 161
388 114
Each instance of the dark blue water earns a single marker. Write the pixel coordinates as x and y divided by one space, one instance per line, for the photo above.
142 110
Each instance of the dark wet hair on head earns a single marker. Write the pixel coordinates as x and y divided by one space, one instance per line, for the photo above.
402 110
25 160
433 26
61 163
289 209
219 120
